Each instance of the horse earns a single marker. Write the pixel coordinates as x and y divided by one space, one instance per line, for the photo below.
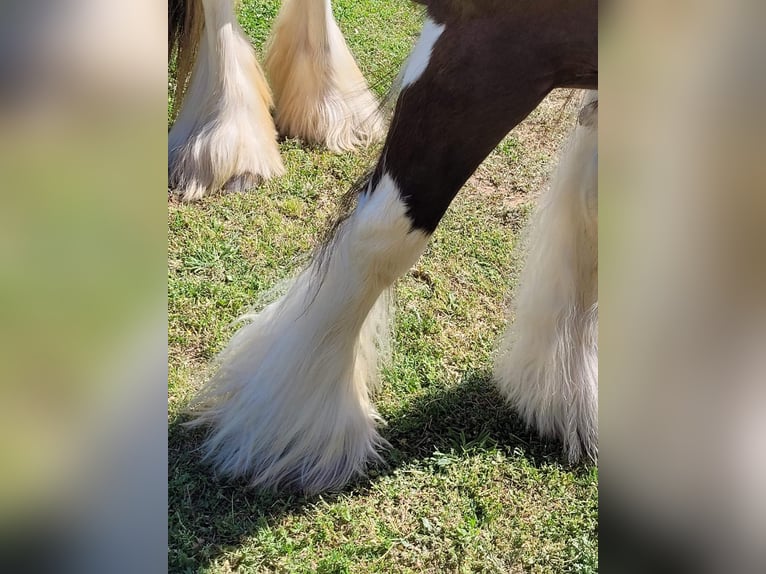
290 405
224 136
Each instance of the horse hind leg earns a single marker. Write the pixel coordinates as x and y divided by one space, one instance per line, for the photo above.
321 95
547 364
224 137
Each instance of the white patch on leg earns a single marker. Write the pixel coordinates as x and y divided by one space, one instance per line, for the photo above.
290 404
547 365
418 60
224 135
321 95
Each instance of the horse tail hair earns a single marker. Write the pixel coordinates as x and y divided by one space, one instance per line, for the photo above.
185 22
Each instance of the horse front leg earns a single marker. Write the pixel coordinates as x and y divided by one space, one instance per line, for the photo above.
290 404
547 364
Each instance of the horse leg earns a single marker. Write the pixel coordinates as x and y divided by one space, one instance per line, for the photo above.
224 136
547 365
290 402
321 95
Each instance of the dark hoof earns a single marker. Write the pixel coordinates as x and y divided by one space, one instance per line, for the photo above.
242 182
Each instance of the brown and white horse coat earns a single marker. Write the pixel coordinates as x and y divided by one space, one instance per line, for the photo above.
291 402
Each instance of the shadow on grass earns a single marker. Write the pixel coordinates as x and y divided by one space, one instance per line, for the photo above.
471 415
208 516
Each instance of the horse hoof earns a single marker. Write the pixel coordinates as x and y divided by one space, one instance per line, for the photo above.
242 182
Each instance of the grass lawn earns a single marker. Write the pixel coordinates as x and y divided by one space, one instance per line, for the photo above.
466 487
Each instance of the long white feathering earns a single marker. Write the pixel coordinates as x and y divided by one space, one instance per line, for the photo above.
321 95
224 136
547 364
290 404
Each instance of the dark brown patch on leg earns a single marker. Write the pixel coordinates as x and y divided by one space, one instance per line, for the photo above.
488 70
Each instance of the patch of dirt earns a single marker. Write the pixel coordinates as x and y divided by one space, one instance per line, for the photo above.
519 169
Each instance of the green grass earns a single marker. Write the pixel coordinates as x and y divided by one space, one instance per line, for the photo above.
465 488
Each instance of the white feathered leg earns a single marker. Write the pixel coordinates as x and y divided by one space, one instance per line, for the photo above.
290 405
547 365
224 136
320 93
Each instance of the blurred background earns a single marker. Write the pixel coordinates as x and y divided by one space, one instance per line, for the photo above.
82 285
683 286
83 127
